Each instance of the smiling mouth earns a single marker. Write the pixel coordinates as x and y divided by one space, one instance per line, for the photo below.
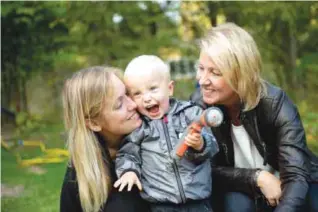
133 116
152 108
208 90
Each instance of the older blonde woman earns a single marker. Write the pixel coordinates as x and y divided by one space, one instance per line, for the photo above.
263 152
97 115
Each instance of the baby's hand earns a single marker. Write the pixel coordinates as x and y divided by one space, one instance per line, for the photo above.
129 178
195 141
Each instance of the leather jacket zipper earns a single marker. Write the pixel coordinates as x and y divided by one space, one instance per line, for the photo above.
174 165
265 153
261 141
226 153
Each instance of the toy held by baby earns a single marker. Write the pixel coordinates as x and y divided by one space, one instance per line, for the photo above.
211 117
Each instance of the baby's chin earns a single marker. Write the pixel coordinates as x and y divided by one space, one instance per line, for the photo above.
159 115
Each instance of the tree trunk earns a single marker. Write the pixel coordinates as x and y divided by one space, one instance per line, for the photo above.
213 12
5 88
24 98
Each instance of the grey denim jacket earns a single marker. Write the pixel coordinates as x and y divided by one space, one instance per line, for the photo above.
147 152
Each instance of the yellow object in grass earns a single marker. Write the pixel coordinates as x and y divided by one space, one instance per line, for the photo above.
53 155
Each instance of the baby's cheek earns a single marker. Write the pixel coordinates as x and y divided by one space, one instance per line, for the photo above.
166 105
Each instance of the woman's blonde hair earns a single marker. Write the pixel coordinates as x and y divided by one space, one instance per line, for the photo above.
84 96
235 53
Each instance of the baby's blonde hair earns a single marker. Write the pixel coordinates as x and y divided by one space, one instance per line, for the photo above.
235 53
146 63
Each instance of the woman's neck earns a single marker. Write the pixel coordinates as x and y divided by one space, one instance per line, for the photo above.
112 143
234 113
112 152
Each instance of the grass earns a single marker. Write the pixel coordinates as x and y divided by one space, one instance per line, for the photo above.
42 192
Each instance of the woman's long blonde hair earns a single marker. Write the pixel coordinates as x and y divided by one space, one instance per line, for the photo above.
235 53
84 96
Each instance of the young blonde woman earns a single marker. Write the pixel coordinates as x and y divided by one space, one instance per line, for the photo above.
263 162
98 114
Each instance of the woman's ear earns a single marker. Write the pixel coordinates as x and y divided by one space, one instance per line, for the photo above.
93 125
171 87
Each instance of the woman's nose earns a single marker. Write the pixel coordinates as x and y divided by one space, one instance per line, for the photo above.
203 79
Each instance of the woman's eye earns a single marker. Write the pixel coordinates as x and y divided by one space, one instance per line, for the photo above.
218 73
215 72
136 94
153 88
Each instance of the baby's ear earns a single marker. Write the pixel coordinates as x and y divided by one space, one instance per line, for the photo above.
171 87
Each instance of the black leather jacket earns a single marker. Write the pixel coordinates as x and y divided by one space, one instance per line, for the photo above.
277 131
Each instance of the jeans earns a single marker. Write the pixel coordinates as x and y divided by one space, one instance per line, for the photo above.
240 202
313 198
191 206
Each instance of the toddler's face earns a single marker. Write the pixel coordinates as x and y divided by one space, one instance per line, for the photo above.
150 91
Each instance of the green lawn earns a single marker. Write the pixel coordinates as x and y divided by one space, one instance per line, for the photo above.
41 192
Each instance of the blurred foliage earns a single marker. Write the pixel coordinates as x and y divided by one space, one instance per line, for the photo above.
309 118
27 123
114 32
183 87
30 42
54 39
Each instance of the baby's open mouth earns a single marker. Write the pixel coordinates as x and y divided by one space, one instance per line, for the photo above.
153 108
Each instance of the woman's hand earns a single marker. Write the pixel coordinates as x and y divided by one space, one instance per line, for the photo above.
129 178
195 141
269 184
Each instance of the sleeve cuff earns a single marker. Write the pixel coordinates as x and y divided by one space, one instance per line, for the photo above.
130 170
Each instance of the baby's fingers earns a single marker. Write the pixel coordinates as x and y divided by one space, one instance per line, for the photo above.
194 136
117 183
130 185
122 186
138 185
188 142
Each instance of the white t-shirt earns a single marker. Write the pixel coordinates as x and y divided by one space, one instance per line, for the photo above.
246 154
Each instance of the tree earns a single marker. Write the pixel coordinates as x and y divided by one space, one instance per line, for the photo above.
115 32
29 43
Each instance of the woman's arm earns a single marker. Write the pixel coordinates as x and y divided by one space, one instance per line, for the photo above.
293 158
237 179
